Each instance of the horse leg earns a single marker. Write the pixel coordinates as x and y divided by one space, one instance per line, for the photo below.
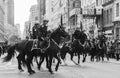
50 64
28 62
102 57
36 60
72 54
107 56
56 68
19 63
41 61
117 57
78 58
84 57
47 62
92 57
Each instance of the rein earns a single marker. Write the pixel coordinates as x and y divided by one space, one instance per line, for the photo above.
81 44
55 43
42 50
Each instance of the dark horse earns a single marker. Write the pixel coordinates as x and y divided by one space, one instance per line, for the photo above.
25 49
53 50
78 45
102 50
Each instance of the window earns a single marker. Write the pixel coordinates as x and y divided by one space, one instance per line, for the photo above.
111 15
74 5
117 9
107 16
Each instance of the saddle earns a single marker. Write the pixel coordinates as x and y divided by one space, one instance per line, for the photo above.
36 44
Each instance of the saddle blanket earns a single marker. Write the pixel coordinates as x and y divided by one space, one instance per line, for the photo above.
35 44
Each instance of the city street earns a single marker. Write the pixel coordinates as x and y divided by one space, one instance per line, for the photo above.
53 27
88 69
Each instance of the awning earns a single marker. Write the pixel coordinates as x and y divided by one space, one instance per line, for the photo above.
108 32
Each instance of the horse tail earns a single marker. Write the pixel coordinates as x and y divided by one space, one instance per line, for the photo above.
11 53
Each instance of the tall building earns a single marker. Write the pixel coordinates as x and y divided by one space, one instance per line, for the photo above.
9 18
89 17
18 32
108 17
75 14
33 15
27 30
10 13
2 13
41 9
56 11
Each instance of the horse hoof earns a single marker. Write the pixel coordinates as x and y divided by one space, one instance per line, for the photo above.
31 72
56 69
21 70
77 63
38 68
83 61
51 73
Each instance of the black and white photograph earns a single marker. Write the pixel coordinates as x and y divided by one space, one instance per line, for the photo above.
59 38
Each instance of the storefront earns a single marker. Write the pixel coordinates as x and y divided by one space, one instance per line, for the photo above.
116 29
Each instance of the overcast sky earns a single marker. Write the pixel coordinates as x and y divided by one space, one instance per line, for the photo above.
22 11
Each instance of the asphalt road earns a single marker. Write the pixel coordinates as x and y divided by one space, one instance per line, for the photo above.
106 69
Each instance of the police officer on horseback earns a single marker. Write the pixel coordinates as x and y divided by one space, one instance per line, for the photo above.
43 28
35 30
102 40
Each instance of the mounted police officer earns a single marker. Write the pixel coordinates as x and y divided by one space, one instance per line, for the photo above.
102 39
43 28
35 30
76 34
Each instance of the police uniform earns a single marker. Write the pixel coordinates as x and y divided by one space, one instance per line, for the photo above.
43 29
35 31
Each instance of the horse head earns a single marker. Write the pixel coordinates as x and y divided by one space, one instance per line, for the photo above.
58 34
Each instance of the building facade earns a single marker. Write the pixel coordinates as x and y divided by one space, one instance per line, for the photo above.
41 5
108 17
75 17
91 17
9 27
2 13
27 30
18 32
33 16
10 13
56 13
116 20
